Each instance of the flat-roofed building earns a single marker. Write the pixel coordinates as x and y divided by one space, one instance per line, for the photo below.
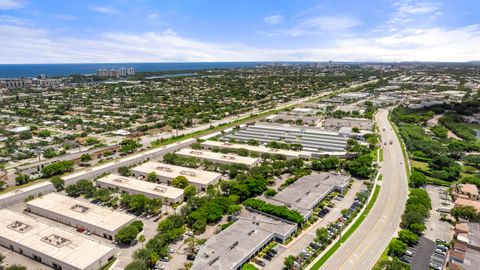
307 192
312 139
19 195
166 172
361 123
353 96
241 241
289 154
81 215
167 194
51 245
111 167
219 157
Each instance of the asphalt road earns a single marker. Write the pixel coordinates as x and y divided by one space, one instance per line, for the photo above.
365 246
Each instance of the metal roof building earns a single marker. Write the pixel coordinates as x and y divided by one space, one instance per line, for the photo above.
131 185
84 216
50 245
312 139
166 172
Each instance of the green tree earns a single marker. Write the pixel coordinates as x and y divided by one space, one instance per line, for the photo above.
141 239
22 179
180 181
137 265
417 179
408 237
322 235
58 183
396 248
84 158
16 267
57 168
189 191
129 145
465 212
152 177
288 262
124 171
127 234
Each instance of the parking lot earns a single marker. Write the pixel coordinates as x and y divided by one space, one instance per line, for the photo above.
437 229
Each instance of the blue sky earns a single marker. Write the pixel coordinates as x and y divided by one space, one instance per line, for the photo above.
50 31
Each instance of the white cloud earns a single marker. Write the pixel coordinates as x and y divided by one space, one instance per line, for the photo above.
6 19
31 45
274 19
408 11
105 9
11 4
319 25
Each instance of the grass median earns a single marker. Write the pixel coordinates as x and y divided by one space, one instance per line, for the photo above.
349 232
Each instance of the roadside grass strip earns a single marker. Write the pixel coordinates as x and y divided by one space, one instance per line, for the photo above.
349 232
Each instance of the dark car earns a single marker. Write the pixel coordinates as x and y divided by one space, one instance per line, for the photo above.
190 257
260 262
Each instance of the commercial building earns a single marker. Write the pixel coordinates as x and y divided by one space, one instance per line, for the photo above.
241 241
131 185
352 96
312 139
307 192
165 173
361 123
50 245
111 167
219 157
289 154
21 194
84 216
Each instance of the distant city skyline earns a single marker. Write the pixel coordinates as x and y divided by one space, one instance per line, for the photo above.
214 30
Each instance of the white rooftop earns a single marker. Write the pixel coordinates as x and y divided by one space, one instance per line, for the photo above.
75 250
260 148
154 189
72 208
220 157
12 193
193 175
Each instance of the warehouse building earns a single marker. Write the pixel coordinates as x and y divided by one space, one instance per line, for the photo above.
241 241
361 123
151 190
289 154
312 139
219 157
21 194
165 173
50 245
83 216
307 192
111 167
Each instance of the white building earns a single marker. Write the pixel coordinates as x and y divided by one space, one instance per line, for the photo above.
165 173
50 245
21 194
81 215
219 157
131 185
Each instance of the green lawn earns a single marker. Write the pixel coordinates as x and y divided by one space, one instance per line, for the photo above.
381 155
419 164
349 232
249 266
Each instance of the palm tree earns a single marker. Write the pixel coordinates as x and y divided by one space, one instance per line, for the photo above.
141 239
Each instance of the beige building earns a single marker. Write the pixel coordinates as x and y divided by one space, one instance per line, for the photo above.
167 194
50 245
81 215
165 173
219 157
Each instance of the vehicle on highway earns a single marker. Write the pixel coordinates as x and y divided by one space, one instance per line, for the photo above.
391 142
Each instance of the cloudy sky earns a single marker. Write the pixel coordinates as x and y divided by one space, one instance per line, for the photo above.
79 31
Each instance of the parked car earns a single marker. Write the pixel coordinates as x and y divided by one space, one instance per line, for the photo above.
260 262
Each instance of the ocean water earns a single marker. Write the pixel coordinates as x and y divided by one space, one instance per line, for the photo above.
33 70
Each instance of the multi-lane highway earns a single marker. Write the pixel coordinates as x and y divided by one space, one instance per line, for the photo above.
365 246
